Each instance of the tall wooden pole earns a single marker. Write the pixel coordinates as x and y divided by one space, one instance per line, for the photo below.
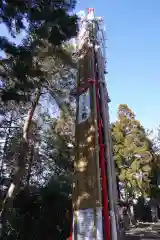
94 191
87 204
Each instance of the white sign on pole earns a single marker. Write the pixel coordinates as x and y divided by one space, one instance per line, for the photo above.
84 222
84 107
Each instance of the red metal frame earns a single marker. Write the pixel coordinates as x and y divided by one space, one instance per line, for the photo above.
70 238
83 88
105 209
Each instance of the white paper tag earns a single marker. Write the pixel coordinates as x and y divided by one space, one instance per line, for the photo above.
84 107
83 225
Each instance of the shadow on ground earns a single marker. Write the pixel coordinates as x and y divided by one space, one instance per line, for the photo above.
144 231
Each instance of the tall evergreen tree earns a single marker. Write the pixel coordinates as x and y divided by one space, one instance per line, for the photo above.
46 181
132 151
24 69
48 24
155 171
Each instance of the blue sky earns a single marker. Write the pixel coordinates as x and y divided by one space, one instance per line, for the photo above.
133 29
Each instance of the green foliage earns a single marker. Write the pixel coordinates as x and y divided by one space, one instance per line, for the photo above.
37 62
43 61
155 178
49 25
43 213
46 19
43 207
132 151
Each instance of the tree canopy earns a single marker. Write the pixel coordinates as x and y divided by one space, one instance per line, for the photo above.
37 77
133 152
47 25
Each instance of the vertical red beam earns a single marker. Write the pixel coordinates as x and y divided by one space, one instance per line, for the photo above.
103 171
71 234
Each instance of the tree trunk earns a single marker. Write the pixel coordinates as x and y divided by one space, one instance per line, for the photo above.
19 169
30 166
8 130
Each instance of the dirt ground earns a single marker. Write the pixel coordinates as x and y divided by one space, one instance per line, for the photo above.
144 231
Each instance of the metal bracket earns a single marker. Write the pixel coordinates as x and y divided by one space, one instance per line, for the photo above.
83 88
